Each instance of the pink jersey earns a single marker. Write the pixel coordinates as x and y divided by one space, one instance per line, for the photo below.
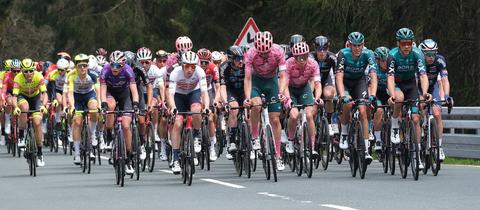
171 60
298 75
266 68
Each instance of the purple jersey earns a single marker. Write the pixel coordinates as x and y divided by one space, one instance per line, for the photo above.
117 83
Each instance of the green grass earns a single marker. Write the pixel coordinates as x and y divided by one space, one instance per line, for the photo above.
461 161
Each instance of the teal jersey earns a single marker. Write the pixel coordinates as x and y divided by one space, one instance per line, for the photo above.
405 68
381 77
355 69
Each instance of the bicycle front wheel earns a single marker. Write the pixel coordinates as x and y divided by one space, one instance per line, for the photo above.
434 147
307 151
414 151
271 146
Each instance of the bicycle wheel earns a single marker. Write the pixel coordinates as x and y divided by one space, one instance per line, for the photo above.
183 155
84 147
121 154
352 156
424 154
137 149
271 146
338 153
434 147
264 155
298 152
191 155
325 143
393 155
98 150
33 150
385 154
148 148
360 147
413 150
247 148
307 151
238 156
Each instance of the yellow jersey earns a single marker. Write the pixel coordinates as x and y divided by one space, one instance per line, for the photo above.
29 89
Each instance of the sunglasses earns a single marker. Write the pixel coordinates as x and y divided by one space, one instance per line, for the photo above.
322 49
15 71
116 65
406 43
238 58
217 62
430 54
204 63
61 69
28 71
161 60
146 62
189 66
82 65
301 57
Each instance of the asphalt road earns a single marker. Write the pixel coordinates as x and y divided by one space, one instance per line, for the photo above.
61 185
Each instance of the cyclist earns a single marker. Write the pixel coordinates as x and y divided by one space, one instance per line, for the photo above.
29 93
294 39
83 91
405 64
161 59
155 82
381 54
327 62
7 65
301 70
211 73
436 67
188 92
101 60
354 63
118 88
56 81
7 84
232 75
182 45
261 77
217 58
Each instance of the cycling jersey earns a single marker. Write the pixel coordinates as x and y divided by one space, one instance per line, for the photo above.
327 68
382 76
354 69
211 75
299 76
8 80
117 84
96 70
438 67
265 67
178 83
231 76
57 79
29 89
81 86
156 75
172 62
405 68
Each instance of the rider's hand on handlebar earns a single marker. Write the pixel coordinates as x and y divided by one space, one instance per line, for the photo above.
428 97
247 102
17 111
391 100
104 106
319 102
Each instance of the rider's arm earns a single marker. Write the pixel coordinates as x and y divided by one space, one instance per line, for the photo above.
391 77
204 91
133 90
339 75
444 75
247 85
282 67
172 86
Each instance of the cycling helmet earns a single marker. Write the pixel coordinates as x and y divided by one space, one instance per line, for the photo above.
381 53
144 54
81 58
101 51
63 63
216 56
404 34
130 57
321 43
161 54
7 64
234 51
300 48
286 49
27 64
245 47
64 55
428 45
189 57
263 41
117 56
101 60
356 38
296 38
183 44
16 64
204 54
71 65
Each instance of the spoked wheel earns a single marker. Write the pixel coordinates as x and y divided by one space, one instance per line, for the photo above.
434 148
360 146
190 165
221 136
424 156
271 146
298 152
385 153
150 149
392 152
136 159
338 153
264 155
307 152
325 154
403 160
413 151
352 157
247 149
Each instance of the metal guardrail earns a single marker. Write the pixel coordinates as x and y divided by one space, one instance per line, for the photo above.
462 132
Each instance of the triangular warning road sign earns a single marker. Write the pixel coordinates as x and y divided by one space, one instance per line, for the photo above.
248 33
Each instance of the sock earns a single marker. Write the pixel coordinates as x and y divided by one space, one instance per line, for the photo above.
213 141
76 145
378 135
176 152
7 119
367 144
344 129
93 127
395 122
39 151
254 131
440 142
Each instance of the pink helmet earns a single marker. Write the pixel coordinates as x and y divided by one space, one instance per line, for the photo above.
183 44
300 48
204 54
263 41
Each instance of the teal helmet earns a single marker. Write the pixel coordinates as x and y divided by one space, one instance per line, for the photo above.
381 53
404 34
356 38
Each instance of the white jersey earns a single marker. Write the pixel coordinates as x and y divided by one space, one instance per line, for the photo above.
156 76
178 83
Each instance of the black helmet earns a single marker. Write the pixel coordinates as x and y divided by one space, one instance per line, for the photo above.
234 51
130 56
321 43
286 49
296 38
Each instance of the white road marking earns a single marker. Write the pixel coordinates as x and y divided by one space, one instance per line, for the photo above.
105 158
167 171
337 207
274 195
223 183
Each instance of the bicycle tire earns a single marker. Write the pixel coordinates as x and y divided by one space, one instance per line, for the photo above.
338 153
307 151
352 156
434 148
385 153
360 147
264 155
138 150
272 153
247 148
325 143
191 156
413 151
424 154
148 148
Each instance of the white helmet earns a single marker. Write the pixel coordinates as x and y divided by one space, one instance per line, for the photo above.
428 45
216 56
189 57
144 54
62 63
101 60
117 57
92 62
